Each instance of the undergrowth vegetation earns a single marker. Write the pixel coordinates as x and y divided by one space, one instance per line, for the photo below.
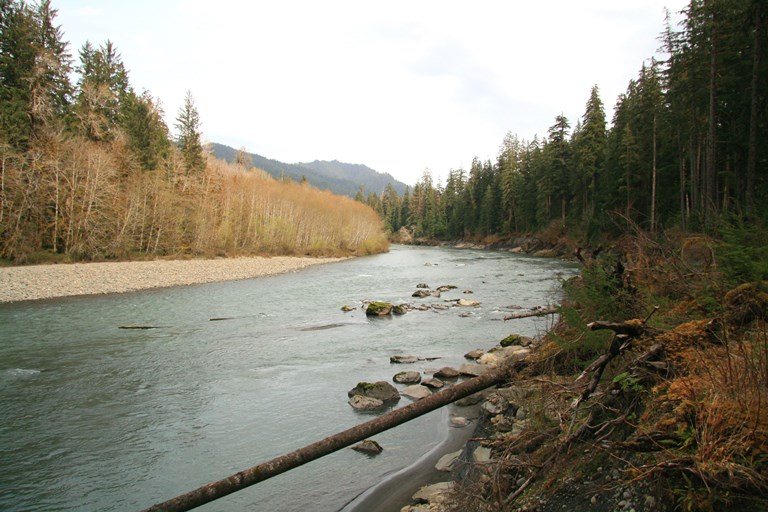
652 387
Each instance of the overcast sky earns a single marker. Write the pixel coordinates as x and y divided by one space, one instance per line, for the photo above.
400 86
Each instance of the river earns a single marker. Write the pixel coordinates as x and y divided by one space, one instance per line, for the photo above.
94 417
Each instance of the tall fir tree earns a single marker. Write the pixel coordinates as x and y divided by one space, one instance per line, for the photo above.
188 136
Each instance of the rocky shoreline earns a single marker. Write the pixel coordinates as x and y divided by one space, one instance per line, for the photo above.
37 282
423 486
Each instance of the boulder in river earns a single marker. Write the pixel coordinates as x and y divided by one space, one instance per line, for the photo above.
474 354
467 303
516 339
445 287
422 285
416 392
447 373
433 383
407 377
420 294
403 359
379 309
380 390
365 403
400 309
368 446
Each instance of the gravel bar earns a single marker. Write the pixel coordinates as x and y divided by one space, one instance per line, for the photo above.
36 282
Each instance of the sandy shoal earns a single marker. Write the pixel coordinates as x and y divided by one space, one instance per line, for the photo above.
48 281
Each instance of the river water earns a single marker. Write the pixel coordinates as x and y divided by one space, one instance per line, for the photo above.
93 417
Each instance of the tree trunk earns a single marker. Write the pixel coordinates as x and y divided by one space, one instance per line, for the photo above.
683 209
753 111
710 180
653 180
279 465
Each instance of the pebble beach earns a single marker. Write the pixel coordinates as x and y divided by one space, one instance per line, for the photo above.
37 282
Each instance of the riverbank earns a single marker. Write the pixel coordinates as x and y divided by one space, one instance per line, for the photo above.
63 280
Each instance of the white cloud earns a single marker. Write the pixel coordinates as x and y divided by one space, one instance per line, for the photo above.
399 86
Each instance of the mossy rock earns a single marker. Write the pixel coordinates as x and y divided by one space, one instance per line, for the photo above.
400 309
379 309
381 390
512 339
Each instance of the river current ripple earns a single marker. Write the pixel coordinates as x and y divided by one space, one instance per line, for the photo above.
93 417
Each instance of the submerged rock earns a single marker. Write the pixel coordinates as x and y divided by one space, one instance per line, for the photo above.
368 446
403 359
347 308
407 378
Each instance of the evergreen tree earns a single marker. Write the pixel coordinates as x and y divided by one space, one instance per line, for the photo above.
146 132
188 136
103 91
35 89
589 146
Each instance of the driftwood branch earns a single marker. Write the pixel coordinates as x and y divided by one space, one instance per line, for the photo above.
537 312
278 465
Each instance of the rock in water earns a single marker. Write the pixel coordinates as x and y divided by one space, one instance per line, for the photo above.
403 359
380 390
421 294
416 392
400 309
474 354
447 373
379 309
433 383
365 403
467 303
407 377
447 461
368 446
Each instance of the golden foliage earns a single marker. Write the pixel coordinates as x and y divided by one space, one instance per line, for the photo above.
84 200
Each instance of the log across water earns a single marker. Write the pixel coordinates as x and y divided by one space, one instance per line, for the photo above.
292 460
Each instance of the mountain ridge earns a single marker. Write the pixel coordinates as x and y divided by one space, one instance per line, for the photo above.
338 177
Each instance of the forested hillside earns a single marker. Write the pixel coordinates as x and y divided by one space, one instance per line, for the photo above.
338 177
91 171
686 147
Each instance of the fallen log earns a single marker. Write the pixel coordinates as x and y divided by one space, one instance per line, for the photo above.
140 327
283 463
528 314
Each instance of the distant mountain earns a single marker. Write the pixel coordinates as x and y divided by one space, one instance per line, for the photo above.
338 177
